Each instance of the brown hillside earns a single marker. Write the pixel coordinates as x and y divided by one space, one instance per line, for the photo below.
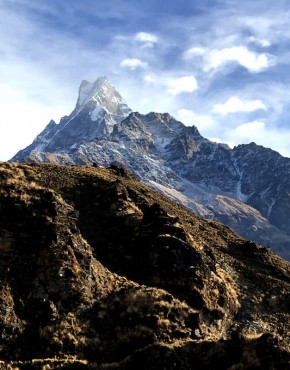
98 271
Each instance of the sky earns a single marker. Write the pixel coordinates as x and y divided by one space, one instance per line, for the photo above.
221 65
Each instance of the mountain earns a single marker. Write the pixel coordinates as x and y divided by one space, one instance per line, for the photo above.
247 187
99 108
99 271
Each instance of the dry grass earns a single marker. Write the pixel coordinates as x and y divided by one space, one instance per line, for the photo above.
210 294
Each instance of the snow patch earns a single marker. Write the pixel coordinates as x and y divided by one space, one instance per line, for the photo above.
97 113
271 207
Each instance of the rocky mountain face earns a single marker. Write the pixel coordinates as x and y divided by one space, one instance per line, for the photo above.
247 187
99 271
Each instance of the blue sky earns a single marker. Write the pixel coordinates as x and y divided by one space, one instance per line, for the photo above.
220 65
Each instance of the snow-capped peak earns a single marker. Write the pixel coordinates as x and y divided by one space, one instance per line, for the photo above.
87 89
101 93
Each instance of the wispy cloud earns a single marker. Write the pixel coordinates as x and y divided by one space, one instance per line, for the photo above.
264 43
202 121
133 63
256 131
149 79
234 104
193 52
216 58
239 54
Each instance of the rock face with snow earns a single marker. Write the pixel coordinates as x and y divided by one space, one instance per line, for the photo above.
99 107
247 187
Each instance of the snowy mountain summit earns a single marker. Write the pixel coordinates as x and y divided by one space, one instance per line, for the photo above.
101 94
98 109
247 187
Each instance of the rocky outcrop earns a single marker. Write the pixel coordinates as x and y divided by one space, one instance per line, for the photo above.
99 271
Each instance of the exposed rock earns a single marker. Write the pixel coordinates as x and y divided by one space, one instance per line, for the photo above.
98 271
246 187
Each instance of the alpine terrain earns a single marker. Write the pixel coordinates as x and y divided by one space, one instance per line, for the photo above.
247 187
99 271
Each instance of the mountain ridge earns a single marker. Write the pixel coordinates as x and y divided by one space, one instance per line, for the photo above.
170 156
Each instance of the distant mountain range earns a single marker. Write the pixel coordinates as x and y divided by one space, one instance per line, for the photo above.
246 188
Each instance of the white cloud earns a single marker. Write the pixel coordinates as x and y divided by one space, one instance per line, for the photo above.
249 129
215 139
133 63
254 131
252 61
220 141
202 121
216 58
258 132
22 118
149 79
186 116
265 28
235 104
186 84
264 43
195 51
146 39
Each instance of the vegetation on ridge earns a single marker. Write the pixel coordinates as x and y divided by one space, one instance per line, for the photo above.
99 271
